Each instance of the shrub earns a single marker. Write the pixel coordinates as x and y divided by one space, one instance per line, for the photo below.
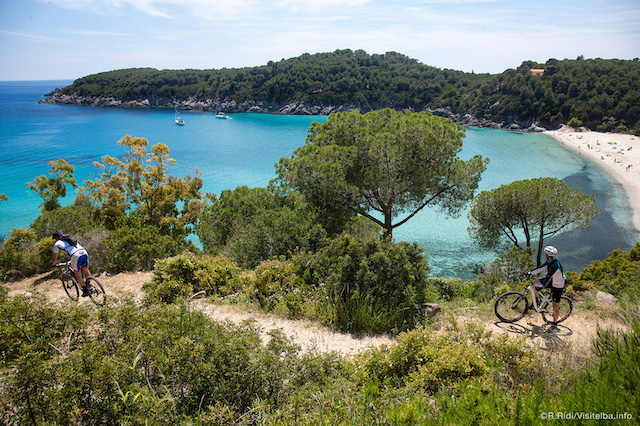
369 284
451 288
512 360
278 287
22 255
611 383
254 224
235 208
622 129
424 360
126 365
509 267
574 122
274 233
188 273
134 247
618 274
76 219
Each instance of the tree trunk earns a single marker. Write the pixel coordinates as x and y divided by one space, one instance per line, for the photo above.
388 227
540 244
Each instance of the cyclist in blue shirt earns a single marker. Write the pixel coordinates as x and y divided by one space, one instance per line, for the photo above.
553 278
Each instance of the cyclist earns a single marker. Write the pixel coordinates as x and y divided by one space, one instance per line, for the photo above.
79 257
554 278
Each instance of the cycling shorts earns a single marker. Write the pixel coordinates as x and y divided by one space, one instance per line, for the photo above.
79 259
556 294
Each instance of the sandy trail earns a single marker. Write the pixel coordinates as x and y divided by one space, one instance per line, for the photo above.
578 330
307 335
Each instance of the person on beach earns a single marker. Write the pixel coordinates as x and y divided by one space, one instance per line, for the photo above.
554 278
79 257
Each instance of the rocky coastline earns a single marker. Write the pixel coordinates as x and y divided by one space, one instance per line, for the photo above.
289 108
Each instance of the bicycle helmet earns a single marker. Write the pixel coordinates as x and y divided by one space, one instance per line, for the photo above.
550 250
57 234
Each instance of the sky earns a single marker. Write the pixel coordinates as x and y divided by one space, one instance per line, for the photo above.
68 39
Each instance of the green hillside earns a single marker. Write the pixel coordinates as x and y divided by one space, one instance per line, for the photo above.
602 94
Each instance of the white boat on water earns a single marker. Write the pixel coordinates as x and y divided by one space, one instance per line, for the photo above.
179 121
220 114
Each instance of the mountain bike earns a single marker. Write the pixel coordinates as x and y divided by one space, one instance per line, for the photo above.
512 306
72 288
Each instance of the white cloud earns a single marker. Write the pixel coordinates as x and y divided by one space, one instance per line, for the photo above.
297 6
207 9
28 36
479 35
93 33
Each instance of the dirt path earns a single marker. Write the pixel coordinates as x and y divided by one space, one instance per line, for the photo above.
306 334
577 331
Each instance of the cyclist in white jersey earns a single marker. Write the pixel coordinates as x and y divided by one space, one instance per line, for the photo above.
554 279
79 258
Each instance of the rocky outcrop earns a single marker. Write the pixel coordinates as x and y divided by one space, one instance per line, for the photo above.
289 108
605 298
470 120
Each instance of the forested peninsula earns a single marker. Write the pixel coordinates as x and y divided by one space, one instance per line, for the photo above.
600 94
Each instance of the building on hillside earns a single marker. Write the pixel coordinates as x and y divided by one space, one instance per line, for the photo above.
537 71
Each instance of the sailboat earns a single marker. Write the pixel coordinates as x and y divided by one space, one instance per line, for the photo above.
179 121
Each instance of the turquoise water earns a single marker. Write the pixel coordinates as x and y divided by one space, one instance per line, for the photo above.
243 151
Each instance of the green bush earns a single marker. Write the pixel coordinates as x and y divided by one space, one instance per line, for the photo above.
274 233
22 255
609 385
426 361
76 219
235 208
127 365
509 267
254 224
133 247
574 122
188 273
368 284
279 288
450 288
618 274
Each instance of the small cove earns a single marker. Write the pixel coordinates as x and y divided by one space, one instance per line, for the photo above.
243 151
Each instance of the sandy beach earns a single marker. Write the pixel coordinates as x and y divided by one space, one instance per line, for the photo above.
617 153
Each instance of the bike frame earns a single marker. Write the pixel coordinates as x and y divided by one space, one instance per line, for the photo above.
546 298
67 269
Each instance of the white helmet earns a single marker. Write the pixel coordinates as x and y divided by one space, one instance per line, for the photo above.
550 250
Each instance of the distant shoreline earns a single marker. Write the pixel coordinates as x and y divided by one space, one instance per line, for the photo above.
618 154
281 108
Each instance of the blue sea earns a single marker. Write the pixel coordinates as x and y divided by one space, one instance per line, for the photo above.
244 150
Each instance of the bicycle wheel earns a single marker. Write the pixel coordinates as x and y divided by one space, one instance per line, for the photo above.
511 306
565 309
70 286
96 292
